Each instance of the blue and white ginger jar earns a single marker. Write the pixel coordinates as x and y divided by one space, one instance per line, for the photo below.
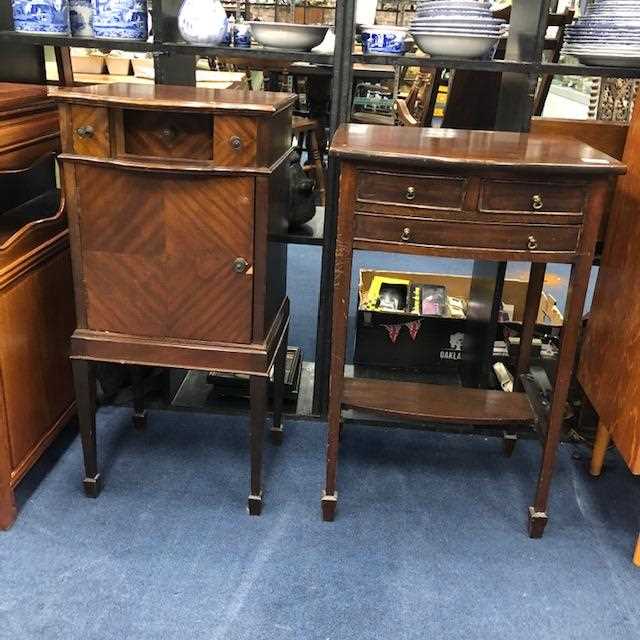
81 18
203 22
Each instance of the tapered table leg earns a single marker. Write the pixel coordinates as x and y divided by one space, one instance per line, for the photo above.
258 390
138 385
277 428
85 385
603 438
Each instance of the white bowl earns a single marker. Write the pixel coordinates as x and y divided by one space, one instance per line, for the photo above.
284 35
455 45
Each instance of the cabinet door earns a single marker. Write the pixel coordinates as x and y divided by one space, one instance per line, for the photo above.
160 254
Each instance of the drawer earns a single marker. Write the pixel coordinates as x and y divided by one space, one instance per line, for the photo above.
507 237
90 131
411 191
167 134
538 197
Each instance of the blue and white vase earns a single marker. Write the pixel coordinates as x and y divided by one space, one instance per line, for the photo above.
125 19
242 36
81 18
202 22
382 39
41 16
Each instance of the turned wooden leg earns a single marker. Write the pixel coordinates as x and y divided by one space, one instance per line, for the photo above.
258 390
277 428
84 378
603 438
636 555
8 510
138 386
318 162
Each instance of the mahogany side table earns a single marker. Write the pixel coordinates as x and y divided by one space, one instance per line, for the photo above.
173 195
476 195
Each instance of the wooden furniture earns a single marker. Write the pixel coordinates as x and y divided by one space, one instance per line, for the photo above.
28 125
412 111
311 129
466 194
173 195
36 320
608 367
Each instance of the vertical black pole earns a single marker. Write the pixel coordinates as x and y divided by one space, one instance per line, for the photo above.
170 68
340 109
515 108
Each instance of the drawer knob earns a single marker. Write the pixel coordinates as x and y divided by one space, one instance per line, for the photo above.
85 132
532 243
537 202
411 193
406 234
169 134
240 265
236 143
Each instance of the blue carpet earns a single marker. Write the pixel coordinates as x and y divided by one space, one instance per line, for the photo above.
429 541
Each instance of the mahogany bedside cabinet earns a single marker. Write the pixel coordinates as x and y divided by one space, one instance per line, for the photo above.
174 193
476 195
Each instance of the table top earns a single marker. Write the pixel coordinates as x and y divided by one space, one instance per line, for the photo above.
185 98
473 149
14 95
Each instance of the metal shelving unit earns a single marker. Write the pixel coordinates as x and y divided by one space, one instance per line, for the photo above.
175 64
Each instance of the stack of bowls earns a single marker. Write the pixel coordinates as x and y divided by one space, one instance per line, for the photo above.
607 35
456 28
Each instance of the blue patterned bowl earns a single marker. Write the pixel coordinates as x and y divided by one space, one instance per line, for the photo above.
384 39
41 16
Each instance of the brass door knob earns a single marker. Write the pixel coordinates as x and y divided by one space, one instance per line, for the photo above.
411 193
240 265
85 132
532 243
406 234
537 202
236 143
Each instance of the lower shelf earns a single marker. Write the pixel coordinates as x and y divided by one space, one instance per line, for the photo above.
436 403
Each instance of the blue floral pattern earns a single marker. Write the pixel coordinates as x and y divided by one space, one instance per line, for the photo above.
120 19
41 16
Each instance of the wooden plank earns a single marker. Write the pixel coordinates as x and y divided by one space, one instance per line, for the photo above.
444 404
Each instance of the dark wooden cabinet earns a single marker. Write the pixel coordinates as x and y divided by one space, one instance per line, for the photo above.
476 195
174 193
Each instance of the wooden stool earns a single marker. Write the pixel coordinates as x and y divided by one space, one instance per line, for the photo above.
309 127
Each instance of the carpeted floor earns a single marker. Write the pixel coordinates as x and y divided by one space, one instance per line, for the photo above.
429 541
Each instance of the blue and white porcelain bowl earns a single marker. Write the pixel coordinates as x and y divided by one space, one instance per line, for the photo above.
242 36
384 39
124 19
41 16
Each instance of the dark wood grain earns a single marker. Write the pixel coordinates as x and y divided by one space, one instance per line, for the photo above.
426 402
502 173
170 225
481 150
175 98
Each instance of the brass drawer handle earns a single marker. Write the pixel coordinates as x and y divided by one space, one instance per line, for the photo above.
411 193
240 265
169 134
532 244
85 132
406 234
236 143
537 202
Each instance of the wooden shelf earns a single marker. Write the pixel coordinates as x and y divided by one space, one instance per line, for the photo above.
442 404
68 41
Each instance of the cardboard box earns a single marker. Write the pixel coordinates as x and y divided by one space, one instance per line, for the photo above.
428 343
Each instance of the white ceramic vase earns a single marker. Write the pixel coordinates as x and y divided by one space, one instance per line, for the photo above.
202 21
